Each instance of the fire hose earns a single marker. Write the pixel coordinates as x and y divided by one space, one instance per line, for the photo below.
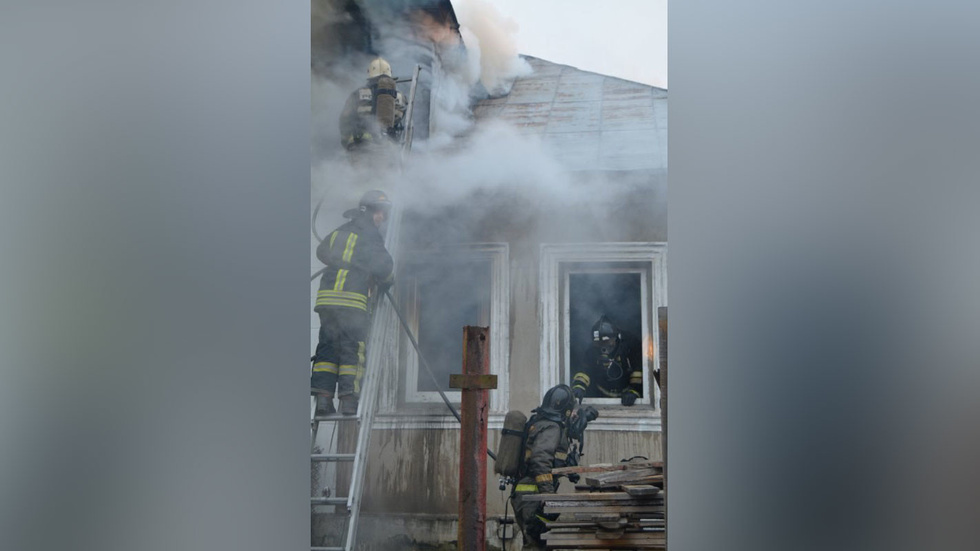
415 344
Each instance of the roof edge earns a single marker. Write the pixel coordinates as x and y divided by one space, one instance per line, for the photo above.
525 56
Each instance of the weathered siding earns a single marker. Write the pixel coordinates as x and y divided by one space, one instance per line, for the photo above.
417 471
412 471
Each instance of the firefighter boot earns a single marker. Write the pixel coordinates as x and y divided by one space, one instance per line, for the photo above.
324 405
348 404
345 391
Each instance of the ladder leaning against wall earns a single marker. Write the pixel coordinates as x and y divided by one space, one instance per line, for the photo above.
382 336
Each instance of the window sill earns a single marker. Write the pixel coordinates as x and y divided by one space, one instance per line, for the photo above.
442 420
639 418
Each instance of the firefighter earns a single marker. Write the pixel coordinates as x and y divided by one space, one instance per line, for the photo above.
356 261
401 106
546 447
613 365
374 110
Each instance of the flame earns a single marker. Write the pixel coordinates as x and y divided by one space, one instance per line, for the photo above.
429 28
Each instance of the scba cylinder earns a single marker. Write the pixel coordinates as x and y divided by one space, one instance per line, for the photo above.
511 445
385 106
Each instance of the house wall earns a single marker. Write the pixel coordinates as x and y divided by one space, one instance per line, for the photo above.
410 493
412 471
415 471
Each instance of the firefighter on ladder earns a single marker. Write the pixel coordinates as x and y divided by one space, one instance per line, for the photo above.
372 111
356 260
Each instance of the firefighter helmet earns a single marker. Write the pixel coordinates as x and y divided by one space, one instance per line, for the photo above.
559 399
374 200
379 67
604 329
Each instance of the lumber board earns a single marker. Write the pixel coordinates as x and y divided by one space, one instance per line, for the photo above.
587 522
633 520
635 540
585 488
617 524
625 476
644 536
609 467
580 496
618 486
641 489
634 502
605 509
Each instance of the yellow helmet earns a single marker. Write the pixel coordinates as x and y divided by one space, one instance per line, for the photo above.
379 67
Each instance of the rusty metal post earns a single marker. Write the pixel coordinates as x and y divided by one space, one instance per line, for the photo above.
474 411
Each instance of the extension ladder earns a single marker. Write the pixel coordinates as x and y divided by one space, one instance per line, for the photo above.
383 335
382 339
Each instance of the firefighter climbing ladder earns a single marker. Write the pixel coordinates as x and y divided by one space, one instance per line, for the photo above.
383 327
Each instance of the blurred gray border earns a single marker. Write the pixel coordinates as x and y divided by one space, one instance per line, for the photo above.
823 192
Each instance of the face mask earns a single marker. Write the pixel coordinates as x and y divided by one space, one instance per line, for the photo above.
614 370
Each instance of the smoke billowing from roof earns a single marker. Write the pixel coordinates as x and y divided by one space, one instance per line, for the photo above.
490 36
459 73
486 181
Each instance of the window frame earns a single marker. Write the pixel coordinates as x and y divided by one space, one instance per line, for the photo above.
645 328
401 404
556 263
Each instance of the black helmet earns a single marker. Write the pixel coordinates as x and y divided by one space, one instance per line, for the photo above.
374 200
604 329
559 400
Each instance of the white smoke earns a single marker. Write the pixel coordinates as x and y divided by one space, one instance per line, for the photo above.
459 160
454 76
490 57
495 158
490 36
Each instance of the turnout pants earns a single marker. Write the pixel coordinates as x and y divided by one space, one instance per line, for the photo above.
339 359
531 520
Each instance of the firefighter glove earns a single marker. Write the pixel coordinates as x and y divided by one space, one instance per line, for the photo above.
386 285
629 397
579 393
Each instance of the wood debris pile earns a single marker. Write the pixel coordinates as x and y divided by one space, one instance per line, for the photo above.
613 507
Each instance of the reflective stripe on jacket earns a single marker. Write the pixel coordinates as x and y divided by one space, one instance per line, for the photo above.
547 441
356 258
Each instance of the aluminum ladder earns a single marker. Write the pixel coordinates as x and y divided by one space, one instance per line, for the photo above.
383 335
382 339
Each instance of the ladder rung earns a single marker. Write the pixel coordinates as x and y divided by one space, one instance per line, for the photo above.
328 501
332 457
334 417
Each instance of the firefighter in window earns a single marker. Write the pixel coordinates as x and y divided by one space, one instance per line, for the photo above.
613 365
374 111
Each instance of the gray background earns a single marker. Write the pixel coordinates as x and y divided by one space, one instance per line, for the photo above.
824 268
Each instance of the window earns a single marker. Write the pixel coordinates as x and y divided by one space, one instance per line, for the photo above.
446 295
581 282
616 292
439 292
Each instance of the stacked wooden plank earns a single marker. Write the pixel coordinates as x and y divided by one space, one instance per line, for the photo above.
613 507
